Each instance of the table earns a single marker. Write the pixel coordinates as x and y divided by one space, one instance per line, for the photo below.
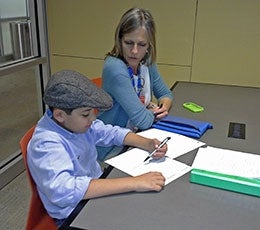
181 204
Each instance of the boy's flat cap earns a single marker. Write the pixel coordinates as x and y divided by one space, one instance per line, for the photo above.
69 89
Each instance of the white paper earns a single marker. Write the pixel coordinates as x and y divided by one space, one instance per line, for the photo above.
228 162
132 163
177 145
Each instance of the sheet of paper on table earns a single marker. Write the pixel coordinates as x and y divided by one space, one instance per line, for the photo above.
132 163
177 145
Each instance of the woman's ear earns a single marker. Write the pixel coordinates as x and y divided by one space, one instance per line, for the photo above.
59 115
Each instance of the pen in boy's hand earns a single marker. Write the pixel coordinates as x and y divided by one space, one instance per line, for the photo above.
160 146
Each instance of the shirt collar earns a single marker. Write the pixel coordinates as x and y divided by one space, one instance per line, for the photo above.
57 127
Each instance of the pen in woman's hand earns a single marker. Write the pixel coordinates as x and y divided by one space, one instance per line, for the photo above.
160 146
159 107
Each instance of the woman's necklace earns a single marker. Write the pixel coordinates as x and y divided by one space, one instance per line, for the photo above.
140 81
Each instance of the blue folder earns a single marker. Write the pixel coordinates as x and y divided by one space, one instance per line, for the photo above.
185 126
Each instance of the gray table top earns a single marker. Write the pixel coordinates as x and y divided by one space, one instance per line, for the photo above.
181 204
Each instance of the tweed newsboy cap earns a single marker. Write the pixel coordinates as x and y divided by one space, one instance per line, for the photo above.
69 89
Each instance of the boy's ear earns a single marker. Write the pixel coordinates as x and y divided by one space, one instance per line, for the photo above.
59 115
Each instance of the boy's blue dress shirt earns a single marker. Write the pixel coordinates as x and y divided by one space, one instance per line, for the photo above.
62 163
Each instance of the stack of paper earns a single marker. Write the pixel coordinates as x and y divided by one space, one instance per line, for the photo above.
227 169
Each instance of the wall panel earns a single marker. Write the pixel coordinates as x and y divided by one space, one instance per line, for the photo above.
227 47
214 41
83 30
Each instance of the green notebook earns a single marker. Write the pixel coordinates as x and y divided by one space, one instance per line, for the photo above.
239 184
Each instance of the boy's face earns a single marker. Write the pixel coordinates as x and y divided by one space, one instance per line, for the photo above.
79 121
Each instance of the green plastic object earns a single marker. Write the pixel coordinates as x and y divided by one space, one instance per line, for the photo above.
193 107
238 184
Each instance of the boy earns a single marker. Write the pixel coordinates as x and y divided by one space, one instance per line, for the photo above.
62 156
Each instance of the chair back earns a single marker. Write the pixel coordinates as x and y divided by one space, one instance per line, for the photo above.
98 82
38 218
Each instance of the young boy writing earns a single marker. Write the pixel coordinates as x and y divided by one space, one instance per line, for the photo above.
62 154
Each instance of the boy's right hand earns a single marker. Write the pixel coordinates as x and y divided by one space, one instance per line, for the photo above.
149 181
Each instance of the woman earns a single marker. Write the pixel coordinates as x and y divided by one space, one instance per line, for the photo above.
131 77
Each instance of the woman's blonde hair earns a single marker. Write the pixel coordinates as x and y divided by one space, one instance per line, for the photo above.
131 20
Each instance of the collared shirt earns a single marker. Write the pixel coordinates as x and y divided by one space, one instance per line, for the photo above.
63 163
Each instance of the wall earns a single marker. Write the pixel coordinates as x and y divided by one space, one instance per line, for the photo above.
214 41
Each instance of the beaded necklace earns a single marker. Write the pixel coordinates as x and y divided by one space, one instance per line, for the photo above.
140 84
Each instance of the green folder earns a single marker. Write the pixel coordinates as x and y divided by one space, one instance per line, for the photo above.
239 184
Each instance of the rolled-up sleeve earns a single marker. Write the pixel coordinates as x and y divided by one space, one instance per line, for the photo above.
108 135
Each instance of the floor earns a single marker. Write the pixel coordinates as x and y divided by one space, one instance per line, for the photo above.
14 203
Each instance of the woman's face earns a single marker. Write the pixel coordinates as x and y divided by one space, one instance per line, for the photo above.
134 46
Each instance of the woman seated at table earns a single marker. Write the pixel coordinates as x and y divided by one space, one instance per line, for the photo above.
131 77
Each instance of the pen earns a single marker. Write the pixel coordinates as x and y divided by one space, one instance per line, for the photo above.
160 106
160 146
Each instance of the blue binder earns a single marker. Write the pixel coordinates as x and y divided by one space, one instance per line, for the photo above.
185 126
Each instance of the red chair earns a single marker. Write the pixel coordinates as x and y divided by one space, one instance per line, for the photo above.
98 82
38 218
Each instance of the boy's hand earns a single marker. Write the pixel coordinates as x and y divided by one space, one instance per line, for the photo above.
152 181
159 152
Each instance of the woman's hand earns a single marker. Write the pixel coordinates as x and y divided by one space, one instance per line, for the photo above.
162 109
160 112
